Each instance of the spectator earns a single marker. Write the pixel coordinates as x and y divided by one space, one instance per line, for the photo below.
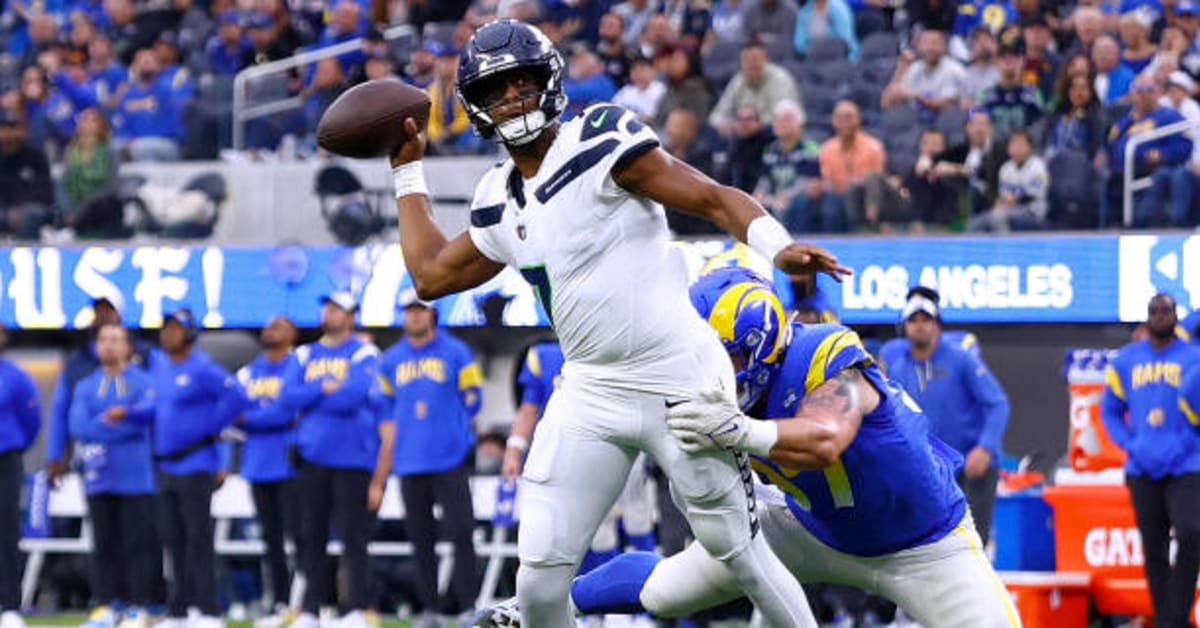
228 50
433 385
105 73
644 91
635 14
43 33
993 16
983 71
847 159
1041 61
449 128
1142 415
1138 50
1074 65
71 95
1187 19
759 85
269 426
346 24
826 18
379 66
727 22
1184 184
194 400
21 419
914 199
145 121
419 71
933 82
977 161
966 406
111 418
933 15
769 22
34 105
1011 103
92 209
586 83
749 139
790 184
683 140
329 386
1113 78
26 190
612 50
263 35
1024 183
658 35
327 84
686 89
690 19
1088 24
293 30
1164 158
1077 123
175 77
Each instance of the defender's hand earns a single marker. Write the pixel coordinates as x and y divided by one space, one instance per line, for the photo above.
375 496
513 461
977 463
413 148
806 259
711 421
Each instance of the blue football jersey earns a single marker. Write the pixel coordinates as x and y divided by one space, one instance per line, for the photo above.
539 375
894 487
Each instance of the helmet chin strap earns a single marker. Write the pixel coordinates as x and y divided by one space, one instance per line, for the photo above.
522 130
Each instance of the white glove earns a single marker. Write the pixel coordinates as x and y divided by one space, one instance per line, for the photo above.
713 421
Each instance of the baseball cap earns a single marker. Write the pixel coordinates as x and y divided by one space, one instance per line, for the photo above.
342 299
921 299
1180 78
409 298
440 48
1012 46
184 318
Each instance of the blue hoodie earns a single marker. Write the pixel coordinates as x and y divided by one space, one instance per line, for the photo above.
1141 409
435 393
20 409
195 400
337 430
965 404
117 458
1175 149
267 422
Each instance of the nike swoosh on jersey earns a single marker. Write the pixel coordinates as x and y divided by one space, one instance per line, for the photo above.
599 121
672 404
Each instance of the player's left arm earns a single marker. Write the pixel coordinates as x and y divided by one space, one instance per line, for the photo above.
656 175
826 422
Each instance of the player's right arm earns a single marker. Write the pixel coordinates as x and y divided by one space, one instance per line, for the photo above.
438 266
518 439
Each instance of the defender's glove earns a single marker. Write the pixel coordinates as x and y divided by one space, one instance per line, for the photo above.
713 421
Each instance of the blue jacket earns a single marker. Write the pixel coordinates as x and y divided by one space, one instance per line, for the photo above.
116 458
337 430
1189 396
79 364
20 409
1120 79
1176 149
841 25
435 393
195 400
146 112
1141 408
965 404
269 425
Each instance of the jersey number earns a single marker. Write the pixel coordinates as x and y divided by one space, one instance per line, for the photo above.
835 476
540 280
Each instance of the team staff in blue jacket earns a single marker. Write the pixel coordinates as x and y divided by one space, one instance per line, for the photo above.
1142 414
79 364
966 406
433 383
20 420
111 415
336 439
195 399
269 425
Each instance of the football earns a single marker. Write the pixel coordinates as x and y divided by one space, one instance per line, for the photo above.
368 119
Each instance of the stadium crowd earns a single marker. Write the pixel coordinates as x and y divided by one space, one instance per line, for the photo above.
872 115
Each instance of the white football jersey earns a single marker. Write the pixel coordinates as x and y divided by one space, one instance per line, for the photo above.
599 258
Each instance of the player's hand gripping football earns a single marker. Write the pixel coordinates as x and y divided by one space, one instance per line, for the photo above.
710 421
804 259
413 147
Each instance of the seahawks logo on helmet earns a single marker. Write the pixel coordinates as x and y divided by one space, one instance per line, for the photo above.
500 47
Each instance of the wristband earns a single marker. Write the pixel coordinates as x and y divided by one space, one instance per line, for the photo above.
409 178
767 236
517 442
760 437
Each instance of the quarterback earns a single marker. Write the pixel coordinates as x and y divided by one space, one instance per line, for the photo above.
859 492
577 209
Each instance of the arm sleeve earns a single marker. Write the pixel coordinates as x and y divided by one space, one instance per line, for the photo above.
58 432
626 138
364 367
230 396
142 404
1113 407
487 209
79 95
80 421
299 395
989 397
264 414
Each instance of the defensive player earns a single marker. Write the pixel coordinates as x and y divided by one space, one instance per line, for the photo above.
860 493
578 210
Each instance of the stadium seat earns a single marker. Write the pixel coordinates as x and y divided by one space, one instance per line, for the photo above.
833 73
721 62
952 122
899 118
877 46
822 49
819 101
